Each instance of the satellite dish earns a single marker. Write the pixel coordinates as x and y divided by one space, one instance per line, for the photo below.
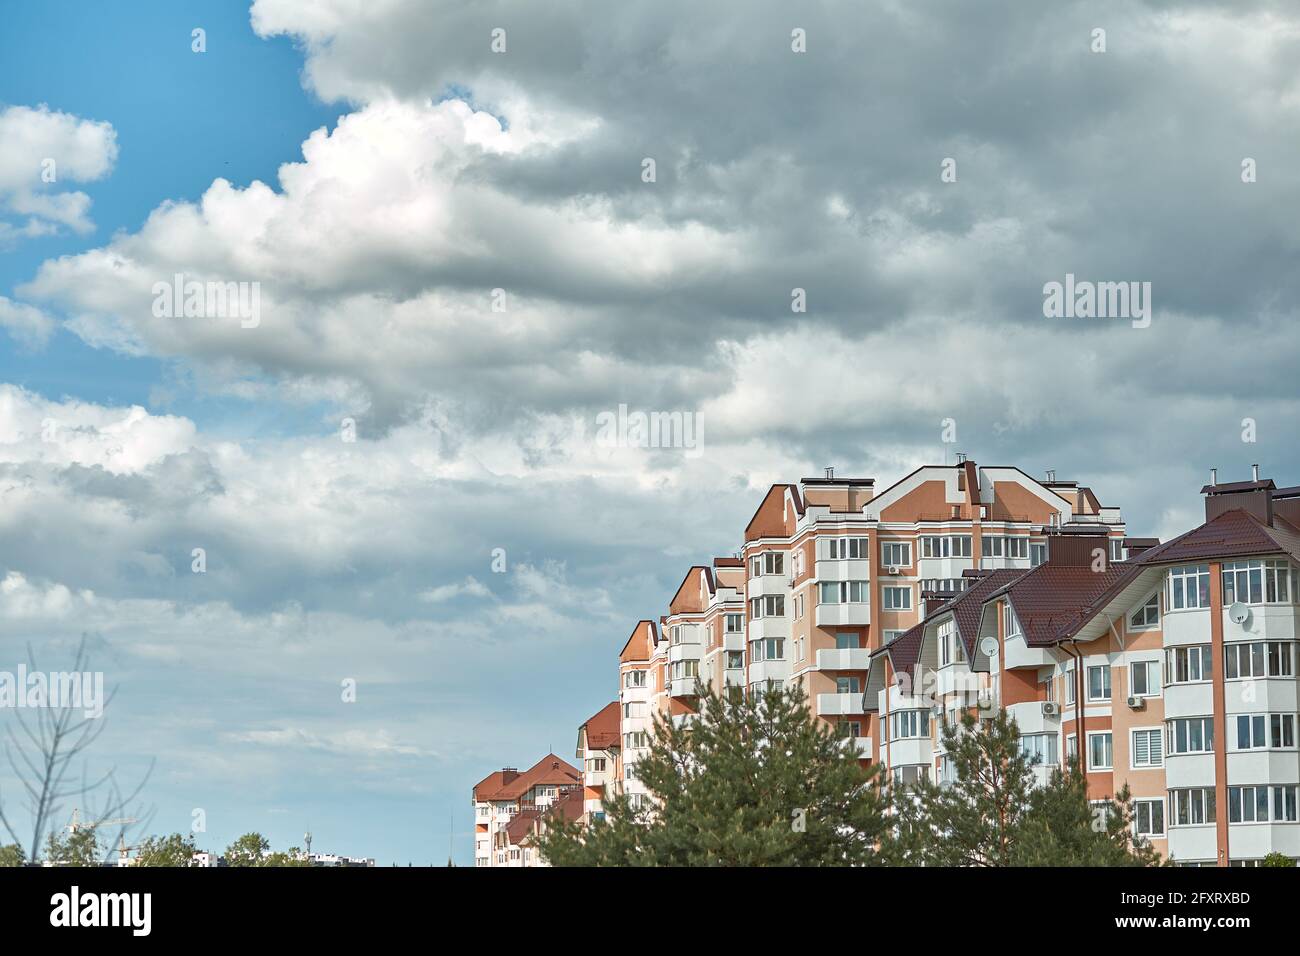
989 647
1238 613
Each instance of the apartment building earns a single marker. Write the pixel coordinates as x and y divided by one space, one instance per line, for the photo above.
835 570
503 795
1171 672
599 754
517 840
830 571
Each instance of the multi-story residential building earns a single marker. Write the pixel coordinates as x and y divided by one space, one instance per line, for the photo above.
599 755
1172 673
502 795
639 682
516 841
835 571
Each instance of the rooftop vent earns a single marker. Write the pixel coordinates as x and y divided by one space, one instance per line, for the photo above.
1051 475
830 472
961 458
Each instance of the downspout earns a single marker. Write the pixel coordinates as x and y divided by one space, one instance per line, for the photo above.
1080 734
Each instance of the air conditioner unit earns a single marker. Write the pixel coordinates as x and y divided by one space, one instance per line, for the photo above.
1050 708
1137 703
894 569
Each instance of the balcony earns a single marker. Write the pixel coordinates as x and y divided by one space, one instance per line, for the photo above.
843 615
682 687
768 584
844 659
733 641
848 569
862 745
831 705
684 652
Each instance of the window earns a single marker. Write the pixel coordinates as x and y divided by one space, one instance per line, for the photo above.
845 642
999 546
1070 686
909 723
944 585
911 773
891 636
1257 659
843 592
1147 749
847 685
635 739
769 562
1037 554
735 623
1013 622
634 709
1188 665
1260 804
1149 817
634 679
1100 752
1192 807
845 549
1256 582
767 649
1039 749
897 599
896 554
735 659
1099 682
1148 615
846 729
685 670
1144 678
770 605
1071 748
946 546
595 764
1190 735
1188 587
1260 731
948 651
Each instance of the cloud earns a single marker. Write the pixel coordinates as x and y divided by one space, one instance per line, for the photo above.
28 326
44 149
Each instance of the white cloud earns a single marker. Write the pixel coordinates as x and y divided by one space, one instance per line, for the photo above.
43 150
26 324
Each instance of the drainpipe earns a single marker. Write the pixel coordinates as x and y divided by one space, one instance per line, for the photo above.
1080 736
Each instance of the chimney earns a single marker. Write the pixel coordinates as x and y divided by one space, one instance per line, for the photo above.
1254 497
961 458
1214 477
830 472
1254 472
1051 475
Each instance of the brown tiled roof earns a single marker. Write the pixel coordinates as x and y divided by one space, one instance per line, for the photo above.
550 770
1232 534
603 728
967 606
567 805
728 563
904 649
1053 601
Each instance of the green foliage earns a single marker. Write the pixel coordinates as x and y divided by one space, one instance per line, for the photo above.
172 850
751 781
249 850
1277 859
992 815
79 847
11 854
253 849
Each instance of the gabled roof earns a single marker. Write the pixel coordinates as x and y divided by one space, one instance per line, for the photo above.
1232 534
903 650
568 805
550 770
603 728
966 607
1053 601
640 643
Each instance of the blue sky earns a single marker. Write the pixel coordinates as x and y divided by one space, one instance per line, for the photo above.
379 171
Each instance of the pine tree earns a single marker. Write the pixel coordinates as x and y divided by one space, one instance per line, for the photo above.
994 815
751 780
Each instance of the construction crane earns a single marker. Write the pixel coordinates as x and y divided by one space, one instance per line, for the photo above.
76 824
